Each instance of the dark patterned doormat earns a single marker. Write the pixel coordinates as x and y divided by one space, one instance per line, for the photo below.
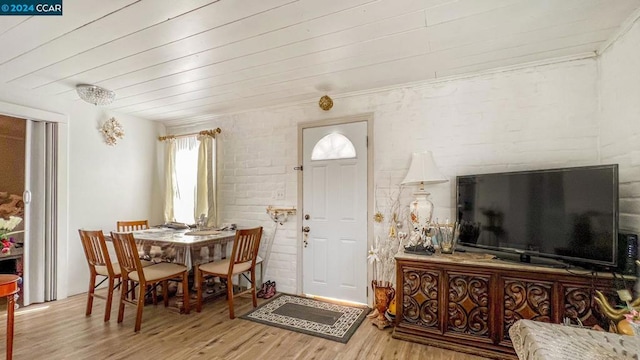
310 316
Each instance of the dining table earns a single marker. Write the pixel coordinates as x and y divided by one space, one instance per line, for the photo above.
186 246
189 247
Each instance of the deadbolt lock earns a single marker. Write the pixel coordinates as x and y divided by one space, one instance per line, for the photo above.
307 217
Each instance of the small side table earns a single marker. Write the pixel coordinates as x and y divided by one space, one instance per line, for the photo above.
8 288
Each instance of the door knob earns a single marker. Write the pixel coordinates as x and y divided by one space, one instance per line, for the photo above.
306 229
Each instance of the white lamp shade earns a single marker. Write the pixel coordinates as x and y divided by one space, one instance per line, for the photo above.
423 170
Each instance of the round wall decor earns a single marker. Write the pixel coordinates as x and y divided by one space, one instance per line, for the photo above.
325 103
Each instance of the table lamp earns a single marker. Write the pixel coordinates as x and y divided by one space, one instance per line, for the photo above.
423 170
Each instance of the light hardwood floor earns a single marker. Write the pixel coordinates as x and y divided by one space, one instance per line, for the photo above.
60 330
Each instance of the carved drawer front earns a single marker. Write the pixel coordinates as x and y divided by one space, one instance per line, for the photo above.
420 297
468 307
579 303
526 300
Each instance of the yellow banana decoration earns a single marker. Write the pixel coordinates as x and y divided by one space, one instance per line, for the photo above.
611 312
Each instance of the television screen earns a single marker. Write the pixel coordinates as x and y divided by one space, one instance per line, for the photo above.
569 214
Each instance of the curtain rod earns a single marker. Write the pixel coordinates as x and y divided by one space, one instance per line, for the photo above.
211 133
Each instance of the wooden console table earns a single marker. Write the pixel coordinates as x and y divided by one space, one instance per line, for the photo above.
8 288
468 301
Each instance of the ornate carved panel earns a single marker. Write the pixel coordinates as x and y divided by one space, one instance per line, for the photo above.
526 300
420 297
579 303
469 305
453 304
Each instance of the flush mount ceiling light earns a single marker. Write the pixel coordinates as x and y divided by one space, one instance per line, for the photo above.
95 95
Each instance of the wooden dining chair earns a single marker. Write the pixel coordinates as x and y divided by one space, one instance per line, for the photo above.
129 226
134 225
95 249
147 252
131 269
243 259
260 263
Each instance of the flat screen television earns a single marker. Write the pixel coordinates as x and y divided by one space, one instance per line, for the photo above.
570 214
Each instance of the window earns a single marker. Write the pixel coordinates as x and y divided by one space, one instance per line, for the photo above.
190 179
186 177
333 146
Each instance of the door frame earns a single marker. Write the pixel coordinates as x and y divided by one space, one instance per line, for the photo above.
368 118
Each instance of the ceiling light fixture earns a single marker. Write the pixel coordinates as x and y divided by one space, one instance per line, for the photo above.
95 95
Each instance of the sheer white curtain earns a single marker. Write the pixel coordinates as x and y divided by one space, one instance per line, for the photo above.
169 180
205 191
190 180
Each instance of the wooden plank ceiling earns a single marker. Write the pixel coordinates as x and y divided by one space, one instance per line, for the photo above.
185 61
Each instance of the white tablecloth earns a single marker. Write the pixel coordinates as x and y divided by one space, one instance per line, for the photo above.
185 245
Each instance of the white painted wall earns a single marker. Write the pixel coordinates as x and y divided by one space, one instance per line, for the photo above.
105 183
619 120
110 183
530 118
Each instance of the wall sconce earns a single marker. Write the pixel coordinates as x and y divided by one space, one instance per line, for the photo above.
280 215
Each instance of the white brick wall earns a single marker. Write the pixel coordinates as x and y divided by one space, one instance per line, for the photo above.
531 118
568 114
619 119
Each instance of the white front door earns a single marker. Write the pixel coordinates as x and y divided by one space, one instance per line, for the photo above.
334 252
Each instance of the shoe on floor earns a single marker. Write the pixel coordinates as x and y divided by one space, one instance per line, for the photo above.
271 290
263 290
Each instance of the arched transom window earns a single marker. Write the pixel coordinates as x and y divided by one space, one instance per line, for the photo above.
333 146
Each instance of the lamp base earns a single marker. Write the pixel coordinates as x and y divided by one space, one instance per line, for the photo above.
421 210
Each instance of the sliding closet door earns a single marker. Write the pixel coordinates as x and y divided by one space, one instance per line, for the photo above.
51 213
40 214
